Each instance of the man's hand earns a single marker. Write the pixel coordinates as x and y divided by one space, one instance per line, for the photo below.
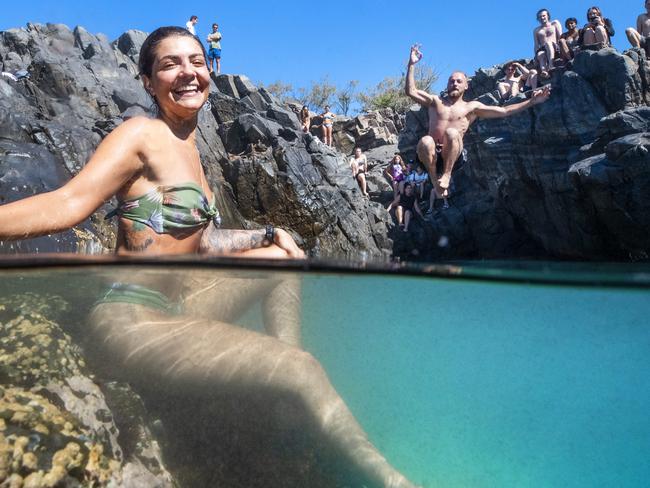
541 95
416 55
284 241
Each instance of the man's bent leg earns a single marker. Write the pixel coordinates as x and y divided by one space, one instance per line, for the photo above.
633 36
550 54
426 151
451 149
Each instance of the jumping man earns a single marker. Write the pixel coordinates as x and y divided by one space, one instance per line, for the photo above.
451 116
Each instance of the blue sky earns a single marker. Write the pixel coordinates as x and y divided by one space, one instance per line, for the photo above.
298 41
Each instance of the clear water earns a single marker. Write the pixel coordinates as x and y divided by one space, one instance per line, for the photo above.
491 384
467 382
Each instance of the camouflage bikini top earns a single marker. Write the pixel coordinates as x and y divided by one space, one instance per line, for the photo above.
169 208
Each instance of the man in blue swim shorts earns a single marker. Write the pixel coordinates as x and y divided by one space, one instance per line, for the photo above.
214 51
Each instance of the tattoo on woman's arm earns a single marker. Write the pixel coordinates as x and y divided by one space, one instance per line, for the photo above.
225 240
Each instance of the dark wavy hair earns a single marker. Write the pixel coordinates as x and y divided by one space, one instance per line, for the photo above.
595 9
148 49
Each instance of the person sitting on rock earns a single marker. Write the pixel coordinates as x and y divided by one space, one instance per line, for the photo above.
214 53
546 37
166 207
395 171
359 166
305 118
517 78
570 40
328 123
597 32
189 25
639 37
405 204
449 118
418 178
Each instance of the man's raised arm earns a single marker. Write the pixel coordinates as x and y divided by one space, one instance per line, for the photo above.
420 96
490 112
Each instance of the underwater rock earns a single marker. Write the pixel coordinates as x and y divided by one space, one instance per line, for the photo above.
50 398
46 446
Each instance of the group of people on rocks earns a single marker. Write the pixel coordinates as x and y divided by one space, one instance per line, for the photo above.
554 49
327 122
214 43
450 116
410 182
411 189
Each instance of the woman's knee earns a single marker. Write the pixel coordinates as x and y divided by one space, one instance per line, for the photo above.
303 370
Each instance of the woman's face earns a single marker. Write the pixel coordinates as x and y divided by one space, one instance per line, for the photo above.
180 80
397 160
357 152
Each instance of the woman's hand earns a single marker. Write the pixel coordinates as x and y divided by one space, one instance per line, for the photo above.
284 241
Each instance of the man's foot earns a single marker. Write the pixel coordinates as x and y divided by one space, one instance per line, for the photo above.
445 205
440 191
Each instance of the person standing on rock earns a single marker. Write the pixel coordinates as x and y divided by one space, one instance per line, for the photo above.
305 118
359 166
450 117
328 123
639 37
214 52
189 25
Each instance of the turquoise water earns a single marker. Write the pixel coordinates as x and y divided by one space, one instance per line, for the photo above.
481 384
459 383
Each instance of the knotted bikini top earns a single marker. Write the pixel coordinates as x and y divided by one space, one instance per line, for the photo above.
169 208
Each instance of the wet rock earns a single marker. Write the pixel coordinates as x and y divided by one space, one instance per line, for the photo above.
54 414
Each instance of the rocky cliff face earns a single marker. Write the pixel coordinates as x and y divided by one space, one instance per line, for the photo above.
263 168
567 179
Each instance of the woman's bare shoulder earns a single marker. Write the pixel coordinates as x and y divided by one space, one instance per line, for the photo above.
136 132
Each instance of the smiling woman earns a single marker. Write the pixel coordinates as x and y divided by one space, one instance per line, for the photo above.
153 167
165 206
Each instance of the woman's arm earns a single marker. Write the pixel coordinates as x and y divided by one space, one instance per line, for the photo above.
232 241
609 27
114 162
